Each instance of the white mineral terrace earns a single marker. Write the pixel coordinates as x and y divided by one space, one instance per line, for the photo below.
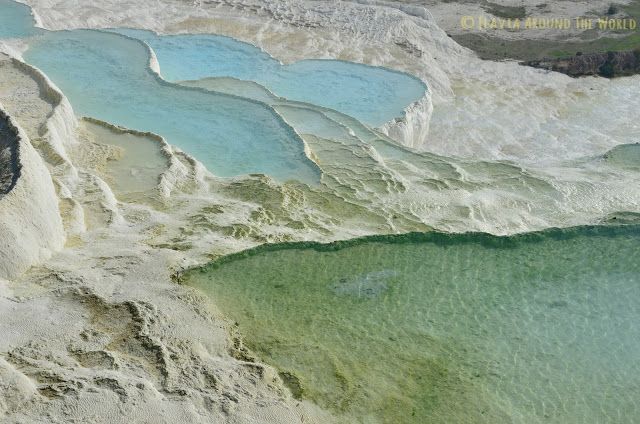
97 220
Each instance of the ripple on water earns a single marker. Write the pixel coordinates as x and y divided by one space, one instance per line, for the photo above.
536 328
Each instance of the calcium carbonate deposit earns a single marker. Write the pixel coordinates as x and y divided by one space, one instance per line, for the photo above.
142 143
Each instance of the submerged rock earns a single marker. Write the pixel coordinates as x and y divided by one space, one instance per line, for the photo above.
366 286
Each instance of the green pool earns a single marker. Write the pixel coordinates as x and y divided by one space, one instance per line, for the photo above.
437 328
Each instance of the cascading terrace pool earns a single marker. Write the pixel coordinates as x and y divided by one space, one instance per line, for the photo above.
370 94
107 76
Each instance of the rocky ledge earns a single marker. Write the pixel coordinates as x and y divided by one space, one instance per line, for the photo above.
609 64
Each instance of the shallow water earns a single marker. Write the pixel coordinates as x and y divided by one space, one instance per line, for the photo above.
538 328
236 127
106 76
371 94
16 20
129 177
230 134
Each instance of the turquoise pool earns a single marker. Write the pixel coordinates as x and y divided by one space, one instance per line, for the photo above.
107 76
371 94
16 20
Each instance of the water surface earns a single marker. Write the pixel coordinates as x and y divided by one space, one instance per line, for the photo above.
371 94
107 76
16 20
434 328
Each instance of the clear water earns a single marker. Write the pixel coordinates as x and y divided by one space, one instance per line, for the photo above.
434 328
404 189
107 76
16 20
130 178
540 328
371 94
